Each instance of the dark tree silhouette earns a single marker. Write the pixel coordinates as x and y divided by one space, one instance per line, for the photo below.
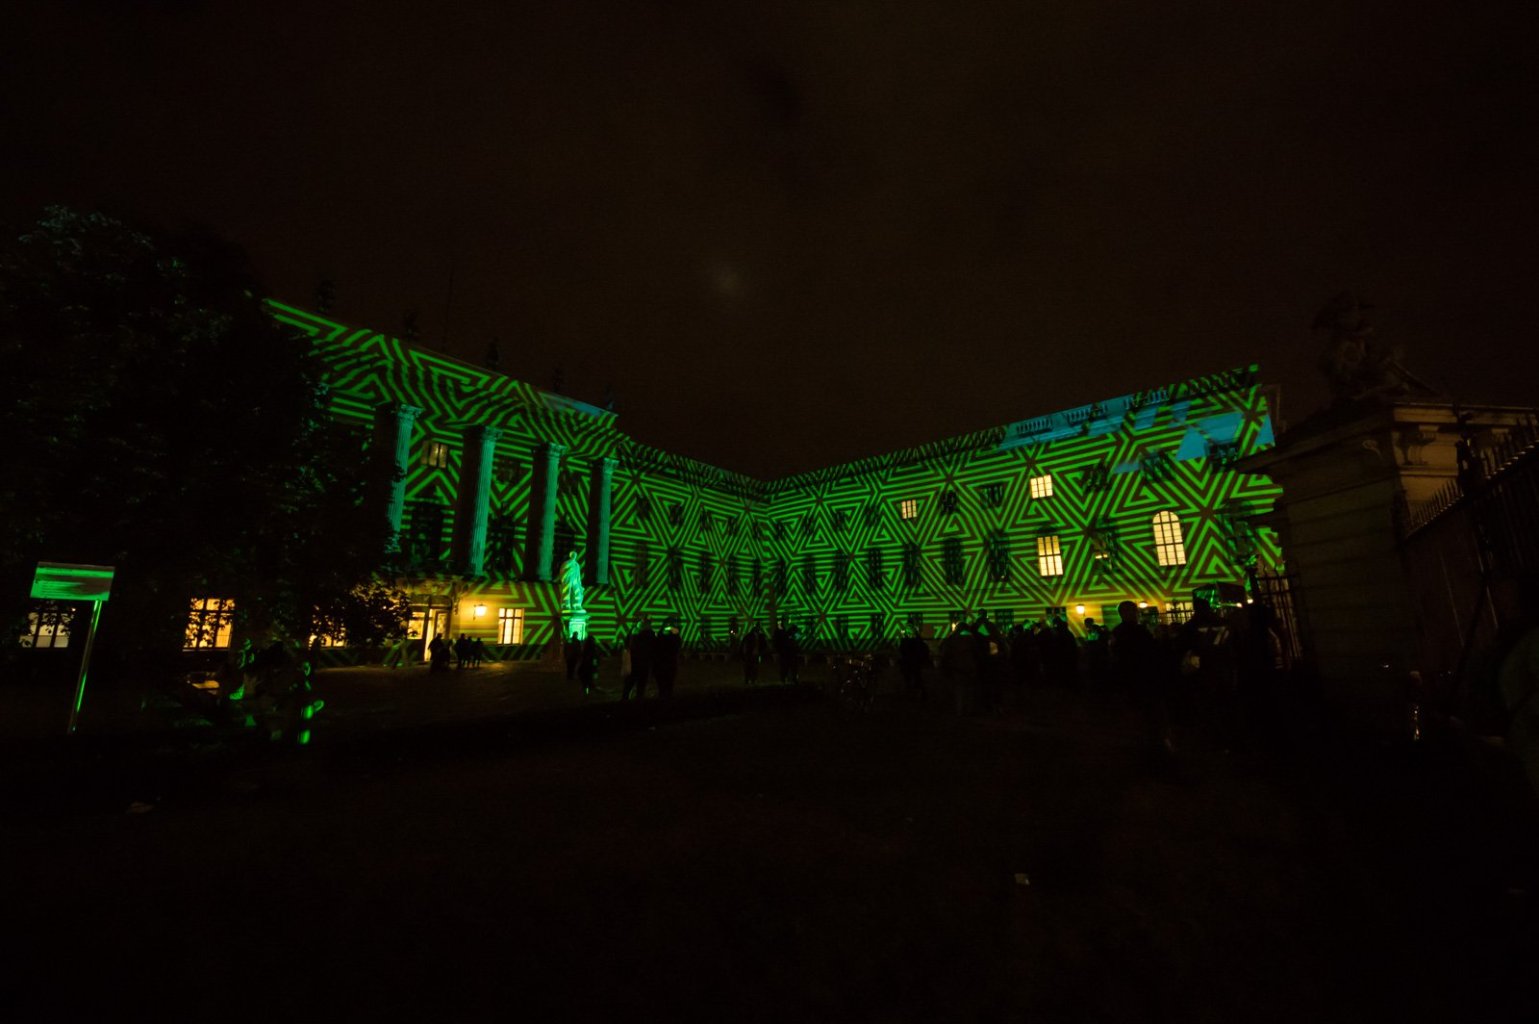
157 419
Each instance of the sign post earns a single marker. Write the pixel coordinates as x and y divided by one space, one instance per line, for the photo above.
56 581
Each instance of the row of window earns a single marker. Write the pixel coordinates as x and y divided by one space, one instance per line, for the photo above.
211 622
1169 547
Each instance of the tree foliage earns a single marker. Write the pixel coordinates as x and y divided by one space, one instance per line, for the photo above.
157 419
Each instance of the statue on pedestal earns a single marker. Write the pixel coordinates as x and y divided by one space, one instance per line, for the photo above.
571 584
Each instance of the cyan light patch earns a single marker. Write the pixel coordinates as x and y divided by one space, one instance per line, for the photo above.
1193 445
1179 409
1264 436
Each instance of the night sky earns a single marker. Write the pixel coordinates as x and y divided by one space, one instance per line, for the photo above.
798 232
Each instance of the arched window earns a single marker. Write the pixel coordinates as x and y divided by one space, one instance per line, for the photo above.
1169 548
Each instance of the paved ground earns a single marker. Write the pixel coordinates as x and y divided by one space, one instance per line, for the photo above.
757 856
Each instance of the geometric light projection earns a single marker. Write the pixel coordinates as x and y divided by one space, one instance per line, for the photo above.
501 477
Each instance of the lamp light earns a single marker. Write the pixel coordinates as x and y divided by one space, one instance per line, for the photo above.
1079 609
476 611
1143 604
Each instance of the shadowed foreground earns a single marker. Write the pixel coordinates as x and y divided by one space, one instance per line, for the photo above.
779 860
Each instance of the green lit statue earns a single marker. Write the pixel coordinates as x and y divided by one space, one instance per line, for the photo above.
571 584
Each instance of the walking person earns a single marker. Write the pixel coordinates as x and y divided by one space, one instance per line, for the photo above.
1140 667
665 660
752 653
642 646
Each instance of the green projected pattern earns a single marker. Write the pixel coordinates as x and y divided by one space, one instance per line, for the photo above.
711 549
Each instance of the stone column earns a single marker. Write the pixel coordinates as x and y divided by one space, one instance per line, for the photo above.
392 433
598 520
475 492
542 510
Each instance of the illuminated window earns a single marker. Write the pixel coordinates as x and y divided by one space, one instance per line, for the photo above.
336 639
908 508
1049 556
1042 486
435 453
1169 548
48 626
510 625
209 622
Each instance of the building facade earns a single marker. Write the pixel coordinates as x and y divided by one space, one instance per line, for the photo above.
1131 498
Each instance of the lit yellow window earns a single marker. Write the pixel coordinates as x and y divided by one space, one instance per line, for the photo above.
1042 486
1049 556
209 622
908 508
510 625
1169 547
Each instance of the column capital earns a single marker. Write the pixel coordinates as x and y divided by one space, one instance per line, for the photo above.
484 432
553 450
607 465
400 410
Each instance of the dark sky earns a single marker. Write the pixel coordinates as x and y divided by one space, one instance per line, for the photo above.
794 232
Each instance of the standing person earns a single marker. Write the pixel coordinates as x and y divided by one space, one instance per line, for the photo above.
780 640
1140 668
588 664
1065 653
642 646
571 650
477 652
1097 654
665 660
438 655
752 652
913 659
463 649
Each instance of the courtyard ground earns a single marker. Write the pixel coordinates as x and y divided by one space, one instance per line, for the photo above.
473 846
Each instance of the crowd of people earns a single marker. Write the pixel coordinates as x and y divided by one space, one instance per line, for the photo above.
1220 672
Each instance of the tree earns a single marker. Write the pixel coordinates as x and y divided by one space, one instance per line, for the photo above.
157 419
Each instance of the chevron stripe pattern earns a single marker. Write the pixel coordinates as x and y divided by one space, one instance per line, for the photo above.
831 550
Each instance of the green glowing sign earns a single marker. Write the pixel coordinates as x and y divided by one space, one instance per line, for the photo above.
56 581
